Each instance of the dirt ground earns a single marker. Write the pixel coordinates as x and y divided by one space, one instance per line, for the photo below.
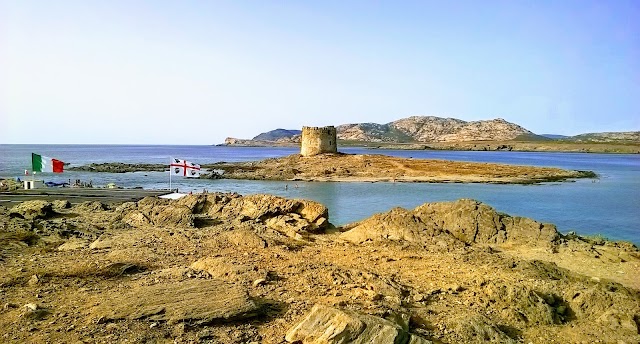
371 168
230 269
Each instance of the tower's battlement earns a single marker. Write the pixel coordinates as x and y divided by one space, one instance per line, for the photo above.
318 140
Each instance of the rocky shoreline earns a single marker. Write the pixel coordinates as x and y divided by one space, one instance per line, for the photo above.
363 168
119 167
379 168
265 269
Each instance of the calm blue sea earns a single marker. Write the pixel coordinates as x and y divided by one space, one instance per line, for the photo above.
609 205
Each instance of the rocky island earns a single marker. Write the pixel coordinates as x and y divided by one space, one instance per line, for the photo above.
339 167
319 160
226 268
336 167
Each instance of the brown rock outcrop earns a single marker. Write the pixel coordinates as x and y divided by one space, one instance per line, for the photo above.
288 216
333 326
479 329
466 220
187 301
163 212
30 210
221 269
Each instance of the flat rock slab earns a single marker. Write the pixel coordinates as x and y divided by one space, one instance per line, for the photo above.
334 326
196 301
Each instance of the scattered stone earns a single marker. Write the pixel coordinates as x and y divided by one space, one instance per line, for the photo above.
30 210
34 312
90 207
179 329
220 268
330 325
245 237
187 301
60 204
205 334
402 319
417 297
119 269
101 243
136 219
10 305
615 320
259 282
73 244
31 306
479 329
33 280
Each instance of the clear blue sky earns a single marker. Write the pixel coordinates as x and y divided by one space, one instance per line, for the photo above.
195 72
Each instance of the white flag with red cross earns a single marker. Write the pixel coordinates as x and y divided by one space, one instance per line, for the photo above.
184 168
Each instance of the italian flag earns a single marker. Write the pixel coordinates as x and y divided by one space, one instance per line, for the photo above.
40 163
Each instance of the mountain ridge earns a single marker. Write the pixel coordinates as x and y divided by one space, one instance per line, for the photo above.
413 129
432 129
276 134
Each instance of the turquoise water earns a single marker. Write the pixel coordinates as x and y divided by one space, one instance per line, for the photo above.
609 205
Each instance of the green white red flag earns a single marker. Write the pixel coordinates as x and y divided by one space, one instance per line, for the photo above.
41 163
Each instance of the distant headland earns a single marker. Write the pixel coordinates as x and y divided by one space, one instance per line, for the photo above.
429 132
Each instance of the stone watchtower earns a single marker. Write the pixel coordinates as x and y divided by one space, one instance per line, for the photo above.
318 140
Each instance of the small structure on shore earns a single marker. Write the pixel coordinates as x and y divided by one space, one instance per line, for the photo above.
33 184
318 140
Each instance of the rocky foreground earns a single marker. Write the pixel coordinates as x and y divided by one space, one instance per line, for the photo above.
223 268
373 168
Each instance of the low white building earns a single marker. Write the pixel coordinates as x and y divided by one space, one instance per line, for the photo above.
33 184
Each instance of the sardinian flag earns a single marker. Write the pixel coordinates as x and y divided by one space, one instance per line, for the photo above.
184 168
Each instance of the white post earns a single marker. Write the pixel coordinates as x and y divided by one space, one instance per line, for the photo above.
170 159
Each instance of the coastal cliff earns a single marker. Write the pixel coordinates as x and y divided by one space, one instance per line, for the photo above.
239 269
